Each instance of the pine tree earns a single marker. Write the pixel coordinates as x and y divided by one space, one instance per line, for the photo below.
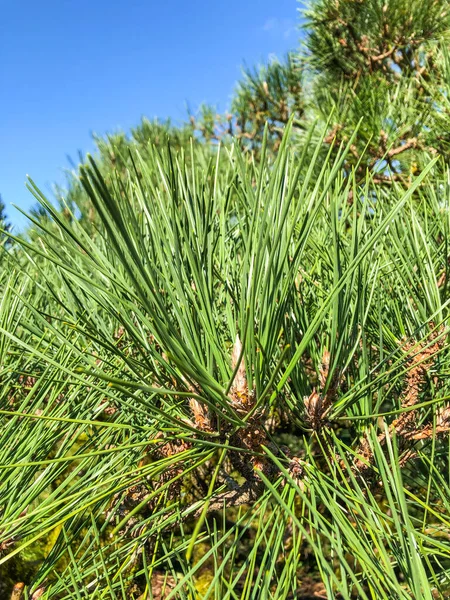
269 95
227 381
379 68
4 223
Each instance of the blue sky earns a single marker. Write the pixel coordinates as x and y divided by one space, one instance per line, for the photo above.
70 68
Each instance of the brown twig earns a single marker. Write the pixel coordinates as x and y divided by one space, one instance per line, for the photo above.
411 143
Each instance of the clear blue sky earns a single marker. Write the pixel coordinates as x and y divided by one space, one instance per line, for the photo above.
70 68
